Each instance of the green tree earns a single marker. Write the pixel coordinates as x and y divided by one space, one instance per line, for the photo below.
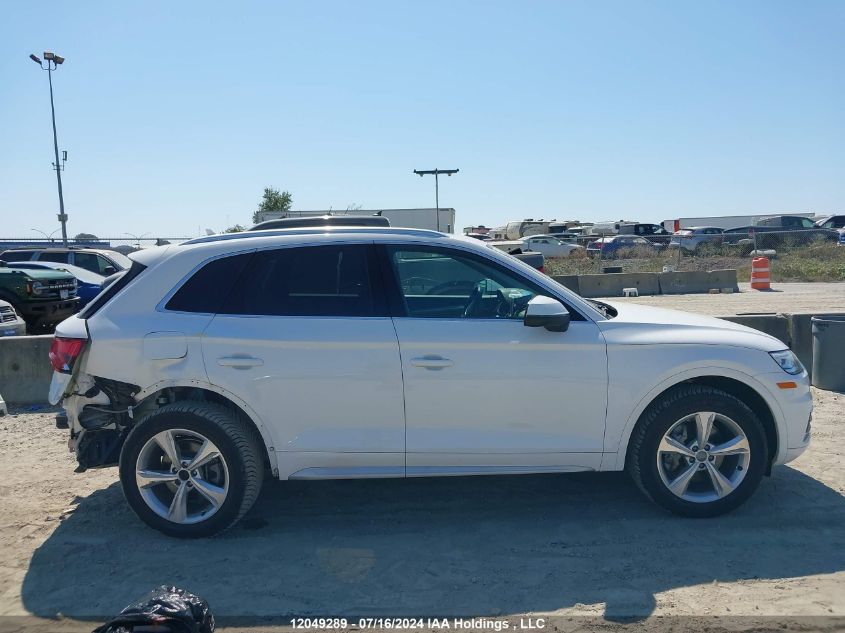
235 229
86 237
273 200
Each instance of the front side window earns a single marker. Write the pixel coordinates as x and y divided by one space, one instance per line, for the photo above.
305 281
89 261
439 283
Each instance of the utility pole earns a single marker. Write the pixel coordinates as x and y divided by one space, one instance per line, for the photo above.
436 173
53 62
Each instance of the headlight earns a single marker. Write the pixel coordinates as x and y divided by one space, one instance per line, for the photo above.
37 288
788 362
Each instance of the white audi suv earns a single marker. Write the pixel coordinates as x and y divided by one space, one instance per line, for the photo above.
346 352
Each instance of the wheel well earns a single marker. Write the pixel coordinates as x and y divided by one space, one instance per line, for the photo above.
747 395
177 394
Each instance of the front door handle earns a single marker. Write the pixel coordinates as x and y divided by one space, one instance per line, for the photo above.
431 362
239 362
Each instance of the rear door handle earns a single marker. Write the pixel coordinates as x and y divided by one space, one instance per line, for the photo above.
239 362
431 362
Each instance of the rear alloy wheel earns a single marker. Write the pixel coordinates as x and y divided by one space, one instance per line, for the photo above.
182 476
191 469
698 452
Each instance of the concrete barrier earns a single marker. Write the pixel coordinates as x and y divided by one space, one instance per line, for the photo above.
776 325
25 370
611 284
724 279
681 283
795 330
669 283
570 281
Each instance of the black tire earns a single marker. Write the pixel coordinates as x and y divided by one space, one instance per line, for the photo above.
681 401
238 443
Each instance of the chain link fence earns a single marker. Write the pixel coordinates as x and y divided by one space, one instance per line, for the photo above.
796 255
123 245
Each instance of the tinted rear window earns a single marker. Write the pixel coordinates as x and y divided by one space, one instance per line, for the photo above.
307 281
16 256
206 290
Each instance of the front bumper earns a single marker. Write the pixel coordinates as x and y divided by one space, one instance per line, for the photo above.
47 312
796 409
13 328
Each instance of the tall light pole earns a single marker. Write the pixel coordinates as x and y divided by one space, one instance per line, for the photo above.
47 236
138 238
436 173
53 61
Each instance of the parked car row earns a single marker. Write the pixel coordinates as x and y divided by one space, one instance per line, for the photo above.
42 287
767 233
618 245
547 245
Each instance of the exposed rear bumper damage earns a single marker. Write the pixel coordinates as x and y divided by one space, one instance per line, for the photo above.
100 414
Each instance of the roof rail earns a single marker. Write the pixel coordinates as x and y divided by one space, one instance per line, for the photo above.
316 229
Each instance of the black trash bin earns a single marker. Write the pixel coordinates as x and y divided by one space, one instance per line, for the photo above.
829 352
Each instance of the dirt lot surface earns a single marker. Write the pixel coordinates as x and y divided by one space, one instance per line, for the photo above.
572 545
784 297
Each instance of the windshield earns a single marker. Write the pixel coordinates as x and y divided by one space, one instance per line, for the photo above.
120 259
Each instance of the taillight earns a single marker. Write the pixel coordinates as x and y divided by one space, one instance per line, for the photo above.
542 269
64 352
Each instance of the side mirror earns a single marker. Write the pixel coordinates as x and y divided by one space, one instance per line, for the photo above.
109 270
548 313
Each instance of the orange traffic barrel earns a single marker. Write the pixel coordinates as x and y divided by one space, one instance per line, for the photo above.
760 278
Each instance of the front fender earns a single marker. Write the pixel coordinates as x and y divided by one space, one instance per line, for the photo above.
618 436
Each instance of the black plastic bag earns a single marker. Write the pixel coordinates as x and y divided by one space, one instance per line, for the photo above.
168 609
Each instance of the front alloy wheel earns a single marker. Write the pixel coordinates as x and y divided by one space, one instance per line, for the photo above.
703 457
698 451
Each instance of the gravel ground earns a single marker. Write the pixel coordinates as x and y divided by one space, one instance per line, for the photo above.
568 544
784 297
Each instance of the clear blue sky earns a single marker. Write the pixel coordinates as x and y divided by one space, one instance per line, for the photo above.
176 114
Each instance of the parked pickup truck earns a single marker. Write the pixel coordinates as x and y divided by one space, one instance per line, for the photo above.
515 248
41 297
782 230
536 260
